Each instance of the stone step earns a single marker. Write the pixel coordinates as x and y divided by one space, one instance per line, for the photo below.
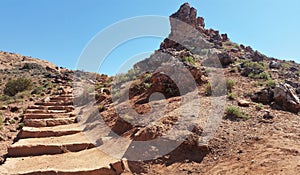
54 103
49 145
67 108
90 161
47 116
70 95
36 107
45 111
33 132
60 98
49 122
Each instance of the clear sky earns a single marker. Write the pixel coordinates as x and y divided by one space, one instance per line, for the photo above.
59 30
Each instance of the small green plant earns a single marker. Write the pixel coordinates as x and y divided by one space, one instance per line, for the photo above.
190 60
21 125
208 89
229 85
12 87
253 69
147 85
270 83
232 96
264 75
100 108
233 112
1 121
12 121
147 77
259 106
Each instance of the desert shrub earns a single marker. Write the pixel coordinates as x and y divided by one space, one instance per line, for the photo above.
264 75
190 59
233 112
125 77
12 87
252 69
208 89
232 96
100 108
229 85
270 83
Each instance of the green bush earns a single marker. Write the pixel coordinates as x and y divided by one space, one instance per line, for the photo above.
12 87
233 112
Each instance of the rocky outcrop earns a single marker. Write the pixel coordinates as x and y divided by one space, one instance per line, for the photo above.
188 31
282 97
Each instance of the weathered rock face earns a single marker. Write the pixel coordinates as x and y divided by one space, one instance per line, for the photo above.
187 15
283 97
265 96
188 32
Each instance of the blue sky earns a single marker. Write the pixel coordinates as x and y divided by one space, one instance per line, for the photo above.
59 30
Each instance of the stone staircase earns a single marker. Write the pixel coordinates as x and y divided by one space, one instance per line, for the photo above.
52 142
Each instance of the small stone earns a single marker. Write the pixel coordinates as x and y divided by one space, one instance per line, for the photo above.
243 103
268 115
13 109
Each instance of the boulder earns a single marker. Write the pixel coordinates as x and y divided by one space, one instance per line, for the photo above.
282 97
286 98
274 65
265 96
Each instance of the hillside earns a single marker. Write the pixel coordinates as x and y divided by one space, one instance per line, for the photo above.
200 104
